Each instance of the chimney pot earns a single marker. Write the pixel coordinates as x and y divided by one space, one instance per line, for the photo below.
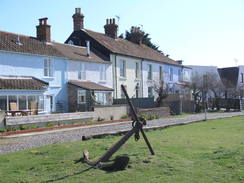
111 28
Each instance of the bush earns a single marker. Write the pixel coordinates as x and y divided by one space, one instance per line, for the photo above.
49 125
3 130
125 116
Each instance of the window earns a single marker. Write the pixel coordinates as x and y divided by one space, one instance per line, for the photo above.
122 68
103 72
171 74
122 93
3 103
137 90
103 98
12 100
150 93
22 102
82 72
242 77
179 75
48 67
81 94
137 70
149 76
161 73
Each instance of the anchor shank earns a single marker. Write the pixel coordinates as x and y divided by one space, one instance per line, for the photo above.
116 146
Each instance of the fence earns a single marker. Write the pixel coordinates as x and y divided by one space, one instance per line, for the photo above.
242 104
137 102
235 104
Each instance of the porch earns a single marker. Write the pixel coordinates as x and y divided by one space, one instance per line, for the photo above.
21 96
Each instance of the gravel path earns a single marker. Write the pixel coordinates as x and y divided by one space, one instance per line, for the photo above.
21 142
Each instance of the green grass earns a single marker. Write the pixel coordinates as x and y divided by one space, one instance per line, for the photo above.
205 152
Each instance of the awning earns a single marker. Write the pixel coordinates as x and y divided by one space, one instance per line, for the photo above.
22 83
89 85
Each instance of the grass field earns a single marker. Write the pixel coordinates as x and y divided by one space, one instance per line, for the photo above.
211 151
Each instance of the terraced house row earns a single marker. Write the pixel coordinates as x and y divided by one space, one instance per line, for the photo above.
87 70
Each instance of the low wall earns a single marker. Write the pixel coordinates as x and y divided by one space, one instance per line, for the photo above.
159 111
108 112
40 120
2 116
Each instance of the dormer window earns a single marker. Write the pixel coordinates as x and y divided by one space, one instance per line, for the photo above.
70 42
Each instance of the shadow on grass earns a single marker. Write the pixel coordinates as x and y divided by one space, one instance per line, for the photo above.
67 176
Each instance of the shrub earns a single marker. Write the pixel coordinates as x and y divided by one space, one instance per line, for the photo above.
125 116
2 130
49 125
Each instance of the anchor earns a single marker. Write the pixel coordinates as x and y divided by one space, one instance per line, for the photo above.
121 162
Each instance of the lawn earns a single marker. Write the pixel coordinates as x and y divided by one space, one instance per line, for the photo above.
211 151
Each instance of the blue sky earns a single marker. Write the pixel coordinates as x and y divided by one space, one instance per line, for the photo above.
200 32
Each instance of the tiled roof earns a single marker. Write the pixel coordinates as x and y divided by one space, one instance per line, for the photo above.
77 53
25 44
22 83
9 42
89 85
125 47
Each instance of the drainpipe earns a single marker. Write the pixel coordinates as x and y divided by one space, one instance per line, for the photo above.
141 79
115 67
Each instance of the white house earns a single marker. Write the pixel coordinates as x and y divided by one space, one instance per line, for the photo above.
39 71
132 61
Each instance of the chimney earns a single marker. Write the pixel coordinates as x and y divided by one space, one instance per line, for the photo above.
136 35
88 52
43 32
78 19
111 28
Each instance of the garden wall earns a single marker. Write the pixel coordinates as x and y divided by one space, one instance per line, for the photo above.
110 112
41 120
159 111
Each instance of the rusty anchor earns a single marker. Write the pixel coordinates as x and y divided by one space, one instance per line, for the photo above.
121 162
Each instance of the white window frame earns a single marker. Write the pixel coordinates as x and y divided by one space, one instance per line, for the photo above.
81 93
82 72
137 70
122 68
102 69
171 74
48 68
149 76
161 75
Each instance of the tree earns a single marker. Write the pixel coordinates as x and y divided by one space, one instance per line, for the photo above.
145 39
162 91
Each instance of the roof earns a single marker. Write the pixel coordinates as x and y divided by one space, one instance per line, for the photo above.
22 83
128 48
78 53
229 76
89 85
26 44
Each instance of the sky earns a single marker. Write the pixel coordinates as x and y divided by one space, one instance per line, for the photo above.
199 32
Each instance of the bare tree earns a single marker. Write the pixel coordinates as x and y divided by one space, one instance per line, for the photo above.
162 89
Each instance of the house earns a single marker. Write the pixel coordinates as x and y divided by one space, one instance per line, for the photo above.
89 77
233 78
33 70
134 64
37 72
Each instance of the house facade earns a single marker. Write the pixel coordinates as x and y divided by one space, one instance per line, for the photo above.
39 73
19 60
132 61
